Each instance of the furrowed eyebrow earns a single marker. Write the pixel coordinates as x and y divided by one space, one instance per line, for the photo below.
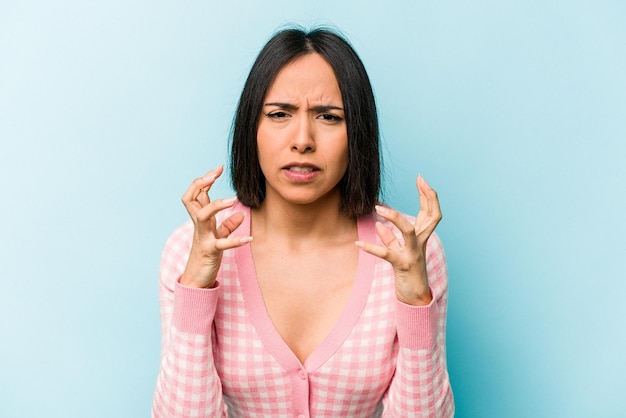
289 106
326 108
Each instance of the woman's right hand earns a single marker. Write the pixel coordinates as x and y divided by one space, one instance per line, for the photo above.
209 239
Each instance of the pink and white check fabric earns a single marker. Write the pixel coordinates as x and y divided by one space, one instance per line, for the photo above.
221 356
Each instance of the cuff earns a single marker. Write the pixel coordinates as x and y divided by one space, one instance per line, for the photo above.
194 309
417 325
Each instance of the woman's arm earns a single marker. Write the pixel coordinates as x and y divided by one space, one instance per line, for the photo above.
187 383
421 385
421 382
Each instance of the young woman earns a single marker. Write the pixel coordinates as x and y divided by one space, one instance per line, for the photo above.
304 296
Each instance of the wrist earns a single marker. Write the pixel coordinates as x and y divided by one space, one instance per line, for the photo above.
422 299
414 291
194 277
189 281
198 273
412 287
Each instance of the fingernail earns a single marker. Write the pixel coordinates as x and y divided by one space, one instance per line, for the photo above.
359 244
381 209
243 240
230 200
210 177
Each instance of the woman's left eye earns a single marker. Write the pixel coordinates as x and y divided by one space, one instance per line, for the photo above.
330 117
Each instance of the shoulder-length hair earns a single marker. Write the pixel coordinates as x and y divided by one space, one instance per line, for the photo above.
360 185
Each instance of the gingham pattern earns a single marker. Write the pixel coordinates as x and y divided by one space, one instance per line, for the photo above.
392 363
255 383
353 381
188 384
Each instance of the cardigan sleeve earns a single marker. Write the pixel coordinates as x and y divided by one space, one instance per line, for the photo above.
421 385
187 384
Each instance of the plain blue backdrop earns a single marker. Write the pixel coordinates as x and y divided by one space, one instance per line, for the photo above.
515 111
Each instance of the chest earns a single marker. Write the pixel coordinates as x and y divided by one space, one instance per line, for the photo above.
352 367
305 294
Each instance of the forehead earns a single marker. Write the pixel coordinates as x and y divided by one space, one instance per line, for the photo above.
307 77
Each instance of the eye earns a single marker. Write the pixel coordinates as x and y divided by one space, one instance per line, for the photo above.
277 115
329 117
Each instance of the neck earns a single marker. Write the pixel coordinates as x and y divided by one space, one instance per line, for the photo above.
296 222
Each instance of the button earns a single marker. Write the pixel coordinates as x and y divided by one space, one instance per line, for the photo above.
302 374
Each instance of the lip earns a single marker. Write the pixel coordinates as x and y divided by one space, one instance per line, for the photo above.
299 176
300 164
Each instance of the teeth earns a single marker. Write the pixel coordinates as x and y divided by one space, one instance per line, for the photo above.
301 169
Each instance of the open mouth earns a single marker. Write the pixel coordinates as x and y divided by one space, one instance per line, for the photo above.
301 169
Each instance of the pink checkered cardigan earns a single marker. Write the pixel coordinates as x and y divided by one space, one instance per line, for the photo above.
221 355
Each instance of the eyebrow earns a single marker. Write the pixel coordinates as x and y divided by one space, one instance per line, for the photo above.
289 106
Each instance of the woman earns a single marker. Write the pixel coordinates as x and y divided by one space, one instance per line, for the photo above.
337 307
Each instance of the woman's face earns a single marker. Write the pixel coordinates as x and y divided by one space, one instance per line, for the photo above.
302 138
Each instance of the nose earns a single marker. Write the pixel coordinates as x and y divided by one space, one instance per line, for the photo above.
304 136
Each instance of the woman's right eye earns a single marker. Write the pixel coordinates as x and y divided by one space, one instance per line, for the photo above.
277 115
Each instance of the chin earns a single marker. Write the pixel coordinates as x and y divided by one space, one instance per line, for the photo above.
309 198
303 194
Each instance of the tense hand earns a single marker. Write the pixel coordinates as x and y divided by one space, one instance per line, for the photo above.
408 259
209 239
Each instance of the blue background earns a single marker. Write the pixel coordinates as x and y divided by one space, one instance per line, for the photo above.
515 111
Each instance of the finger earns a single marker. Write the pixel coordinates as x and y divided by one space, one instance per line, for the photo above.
208 179
210 210
387 236
423 197
429 201
230 224
430 211
199 187
376 250
195 188
216 172
231 242
203 198
406 228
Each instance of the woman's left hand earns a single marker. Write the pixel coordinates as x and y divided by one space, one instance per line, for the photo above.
408 259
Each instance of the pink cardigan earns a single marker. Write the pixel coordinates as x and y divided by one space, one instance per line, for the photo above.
221 355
